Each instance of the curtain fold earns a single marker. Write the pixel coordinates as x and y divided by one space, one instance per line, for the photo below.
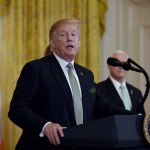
25 30
4 4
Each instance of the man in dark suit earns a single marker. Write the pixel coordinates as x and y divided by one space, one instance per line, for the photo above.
43 101
110 88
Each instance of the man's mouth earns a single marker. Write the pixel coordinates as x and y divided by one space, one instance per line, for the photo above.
70 46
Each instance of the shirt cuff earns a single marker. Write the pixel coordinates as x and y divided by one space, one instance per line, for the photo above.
41 133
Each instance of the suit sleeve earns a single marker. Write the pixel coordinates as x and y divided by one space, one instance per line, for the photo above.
24 100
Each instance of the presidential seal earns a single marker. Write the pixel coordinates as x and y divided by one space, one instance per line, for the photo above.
146 127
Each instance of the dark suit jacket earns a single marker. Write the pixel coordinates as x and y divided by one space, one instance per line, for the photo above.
108 90
42 94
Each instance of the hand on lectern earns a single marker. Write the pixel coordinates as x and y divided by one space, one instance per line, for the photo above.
53 131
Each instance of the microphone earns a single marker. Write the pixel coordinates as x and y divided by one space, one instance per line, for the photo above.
125 65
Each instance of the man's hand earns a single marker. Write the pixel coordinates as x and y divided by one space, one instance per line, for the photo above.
53 131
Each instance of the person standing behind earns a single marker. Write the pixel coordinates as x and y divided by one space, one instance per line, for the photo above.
54 92
115 88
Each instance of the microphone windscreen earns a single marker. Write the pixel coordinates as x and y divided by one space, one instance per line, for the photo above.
113 62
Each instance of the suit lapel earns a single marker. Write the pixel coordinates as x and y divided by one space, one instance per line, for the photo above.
114 92
132 97
62 82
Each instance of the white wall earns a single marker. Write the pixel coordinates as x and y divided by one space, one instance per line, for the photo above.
128 28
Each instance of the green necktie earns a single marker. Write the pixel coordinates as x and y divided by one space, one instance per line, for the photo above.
125 98
77 101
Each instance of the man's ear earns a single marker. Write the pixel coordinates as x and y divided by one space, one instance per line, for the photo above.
52 44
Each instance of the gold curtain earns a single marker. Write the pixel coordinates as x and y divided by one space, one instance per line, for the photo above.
25 27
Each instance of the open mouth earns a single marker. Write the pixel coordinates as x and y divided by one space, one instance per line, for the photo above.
70 46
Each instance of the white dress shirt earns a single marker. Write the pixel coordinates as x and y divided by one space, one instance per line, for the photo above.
117 87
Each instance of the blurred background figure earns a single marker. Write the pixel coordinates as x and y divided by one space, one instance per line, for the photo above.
117 90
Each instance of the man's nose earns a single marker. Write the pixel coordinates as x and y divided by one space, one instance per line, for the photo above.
70 36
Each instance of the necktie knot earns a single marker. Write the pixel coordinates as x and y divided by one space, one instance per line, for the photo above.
69 66
122 87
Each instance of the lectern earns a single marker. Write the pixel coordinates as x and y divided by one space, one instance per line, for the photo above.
119 131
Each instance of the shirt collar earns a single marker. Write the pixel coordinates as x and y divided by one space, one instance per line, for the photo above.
116 83
62 62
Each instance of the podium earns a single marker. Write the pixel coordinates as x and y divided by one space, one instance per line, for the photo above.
114 132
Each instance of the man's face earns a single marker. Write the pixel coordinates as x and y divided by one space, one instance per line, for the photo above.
118 73
65 41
